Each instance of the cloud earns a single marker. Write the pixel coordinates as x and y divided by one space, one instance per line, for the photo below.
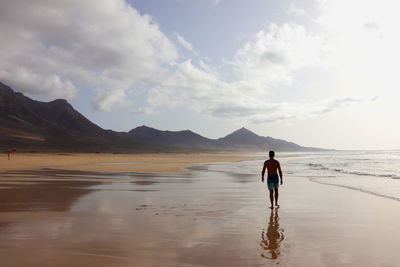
294 10
52 48
146 111
265 63
272 60
371 26
188 46
114 49
335 104
203 2
275 53
48 85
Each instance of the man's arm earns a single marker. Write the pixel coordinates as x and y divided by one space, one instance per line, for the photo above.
263 172
280 172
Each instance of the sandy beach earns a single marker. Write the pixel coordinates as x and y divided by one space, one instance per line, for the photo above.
154 162
162 133
216 214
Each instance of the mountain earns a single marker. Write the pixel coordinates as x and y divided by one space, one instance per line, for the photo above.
243 139
181 139
21 111
56 126
53 126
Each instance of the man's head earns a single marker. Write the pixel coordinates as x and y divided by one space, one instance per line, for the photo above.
271 154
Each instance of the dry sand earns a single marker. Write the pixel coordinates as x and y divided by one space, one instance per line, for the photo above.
198 218
161 162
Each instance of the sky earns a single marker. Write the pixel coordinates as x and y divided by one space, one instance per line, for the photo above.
319 73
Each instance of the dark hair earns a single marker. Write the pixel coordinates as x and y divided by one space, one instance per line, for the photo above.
271 153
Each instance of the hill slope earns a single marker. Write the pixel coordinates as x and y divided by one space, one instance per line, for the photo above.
57 126
52 126
181 139
22 112
243 139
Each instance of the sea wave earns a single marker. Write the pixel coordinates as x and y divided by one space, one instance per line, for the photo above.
353 172
317 166
386 175
383 190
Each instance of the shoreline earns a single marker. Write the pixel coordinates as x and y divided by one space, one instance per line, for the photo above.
315 180
104 162
108 219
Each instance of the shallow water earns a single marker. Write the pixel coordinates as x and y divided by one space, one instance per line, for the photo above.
124 218
375 172
215 215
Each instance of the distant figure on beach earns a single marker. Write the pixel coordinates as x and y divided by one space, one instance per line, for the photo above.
10 151
273 168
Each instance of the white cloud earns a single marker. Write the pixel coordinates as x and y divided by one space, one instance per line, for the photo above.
363 44
53 47
274 54
203 2
113 48
146 111
295 10
262 65
371 26
351 58
48 85
106 99
188 46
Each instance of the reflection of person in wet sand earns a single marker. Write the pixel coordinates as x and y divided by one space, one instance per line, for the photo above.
271 240
8 152
273 167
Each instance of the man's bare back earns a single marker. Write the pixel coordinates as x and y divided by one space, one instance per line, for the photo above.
273 167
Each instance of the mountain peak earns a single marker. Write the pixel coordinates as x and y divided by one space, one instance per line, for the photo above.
142 129
59 101
57 126
242 132
242 136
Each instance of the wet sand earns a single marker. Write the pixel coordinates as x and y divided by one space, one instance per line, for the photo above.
154 162
197 218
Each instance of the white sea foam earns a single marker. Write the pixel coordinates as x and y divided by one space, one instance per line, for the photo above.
389 188
375 172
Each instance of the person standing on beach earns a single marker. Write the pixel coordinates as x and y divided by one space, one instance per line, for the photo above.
273 167
8 152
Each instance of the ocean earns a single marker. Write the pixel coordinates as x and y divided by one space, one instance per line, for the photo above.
374 172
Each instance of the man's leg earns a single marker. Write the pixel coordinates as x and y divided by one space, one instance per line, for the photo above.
276 196
271 197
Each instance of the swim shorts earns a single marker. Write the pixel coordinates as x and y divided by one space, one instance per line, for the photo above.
273 181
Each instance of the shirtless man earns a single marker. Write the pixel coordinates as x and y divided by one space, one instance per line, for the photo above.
273 167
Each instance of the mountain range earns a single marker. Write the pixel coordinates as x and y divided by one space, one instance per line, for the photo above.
56 126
